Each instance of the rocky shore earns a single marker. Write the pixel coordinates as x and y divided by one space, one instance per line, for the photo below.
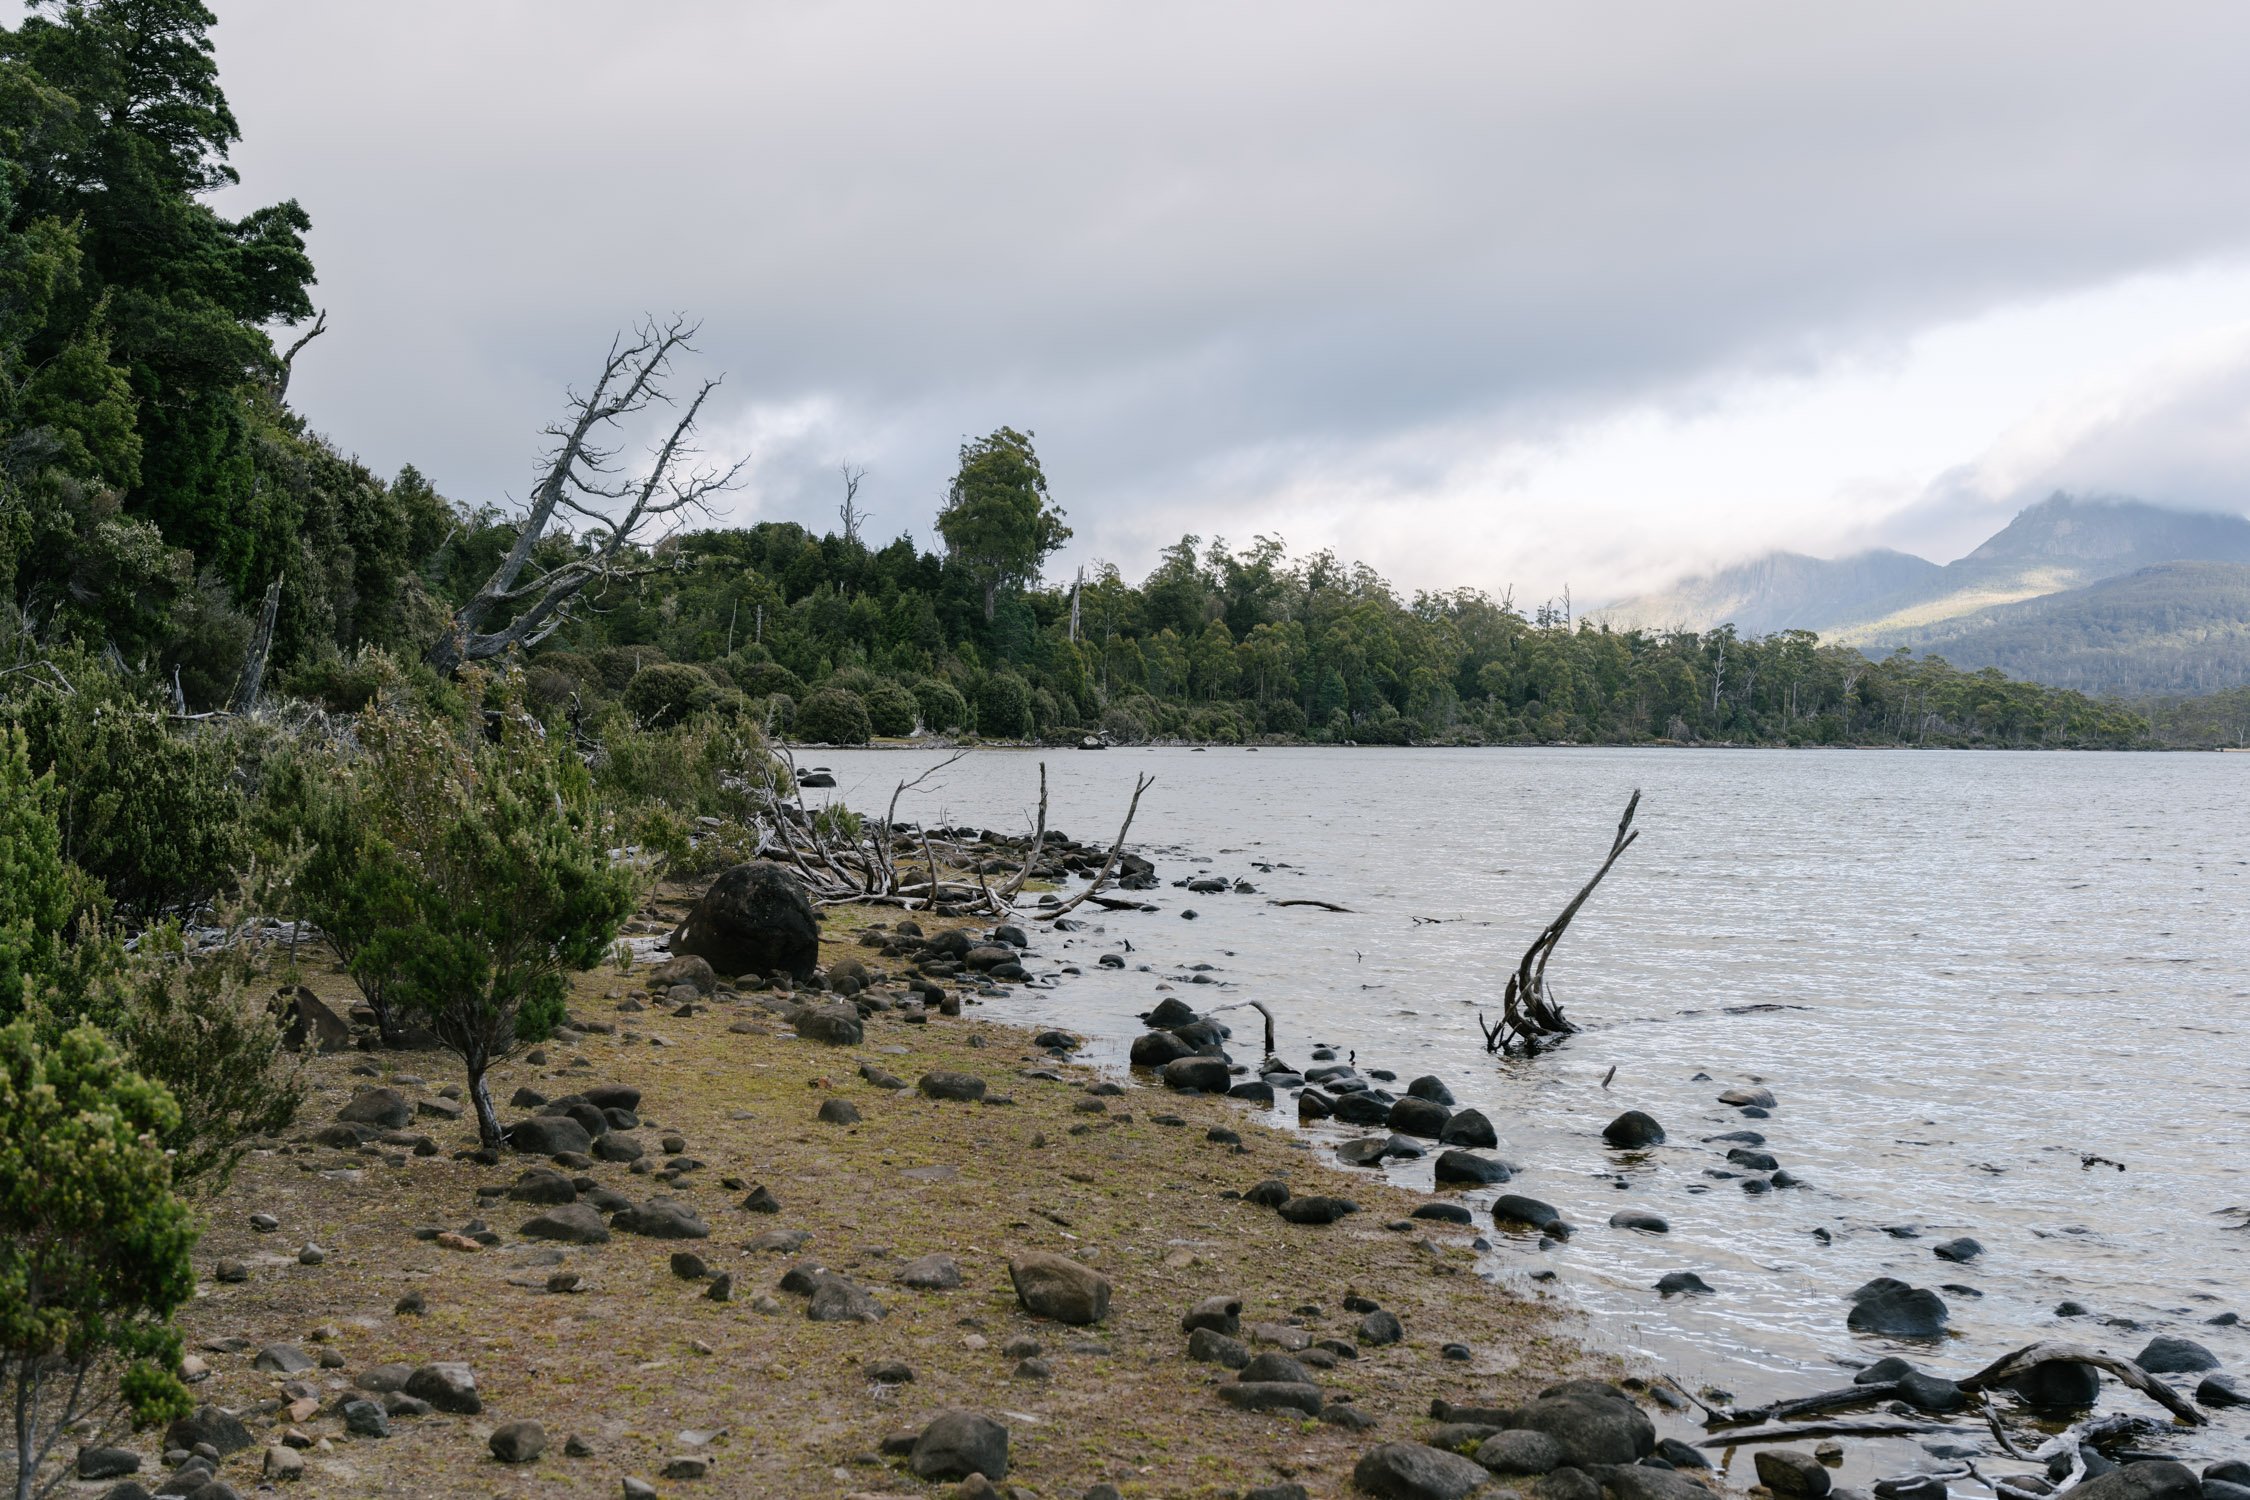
841 1236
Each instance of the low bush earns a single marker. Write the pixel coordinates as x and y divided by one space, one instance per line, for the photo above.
833 716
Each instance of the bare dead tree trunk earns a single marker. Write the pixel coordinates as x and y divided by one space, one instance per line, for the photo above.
1529 1009
511 610
289 359
252 681
1038 839
1116 852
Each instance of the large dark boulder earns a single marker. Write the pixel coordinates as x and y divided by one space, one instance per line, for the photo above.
1591 1423
755 919
1414 1471
1889 1306
1417 1116
1469 1127
1632 1130
2157 1480
2057 1385
386 1109
1154 1049
209 1424
958 1444
2167 1354
548 1135
1208 1074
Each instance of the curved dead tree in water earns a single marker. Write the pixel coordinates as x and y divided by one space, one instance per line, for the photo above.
1530 1013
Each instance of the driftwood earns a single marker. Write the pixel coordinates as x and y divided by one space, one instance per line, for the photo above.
1038 838
2010 1365
1257 1006
1109 865
1789 1432
1777 1411
1529 1009
1308 901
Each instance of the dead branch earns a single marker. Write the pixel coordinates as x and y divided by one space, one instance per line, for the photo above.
1141 784
1801 1406
289 360
1257 1006
577 489
2015 1363
1529 1008
252 680
1789 1432
1038 838
1307 901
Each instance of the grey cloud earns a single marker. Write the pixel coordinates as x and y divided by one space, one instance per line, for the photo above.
1205 251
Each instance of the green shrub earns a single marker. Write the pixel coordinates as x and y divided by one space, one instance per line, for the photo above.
944 710
668 694
762 679
1124 726
891 710
506 888
833 716
853 680
1004 707
155 815
94 1248
37 894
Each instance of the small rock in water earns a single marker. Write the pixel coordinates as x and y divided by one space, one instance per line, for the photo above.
1633 1130
1683 1284
2167 1355
1786 1472
1961 1251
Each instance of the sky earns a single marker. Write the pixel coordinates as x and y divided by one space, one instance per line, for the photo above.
1489 295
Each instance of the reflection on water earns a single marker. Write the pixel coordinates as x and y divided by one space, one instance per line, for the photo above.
1962 974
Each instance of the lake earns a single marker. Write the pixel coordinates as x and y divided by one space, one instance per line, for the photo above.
1977 982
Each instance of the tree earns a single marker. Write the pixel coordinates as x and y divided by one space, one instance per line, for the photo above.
94 1248
36 898
621 519
507 886
997 521
1004 707
891 710
834 716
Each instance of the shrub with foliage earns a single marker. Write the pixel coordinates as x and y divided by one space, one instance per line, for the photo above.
892 711
944 710
833 716
761 679
94 1247
668 694
505 885
37 895
1004 707
155 815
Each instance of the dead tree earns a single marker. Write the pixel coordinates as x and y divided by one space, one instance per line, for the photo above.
1530 1011
615 520
1109 865
849 512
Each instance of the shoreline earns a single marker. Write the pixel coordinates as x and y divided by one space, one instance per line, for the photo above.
638 1357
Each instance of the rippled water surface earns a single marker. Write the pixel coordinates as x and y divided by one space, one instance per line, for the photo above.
1973 972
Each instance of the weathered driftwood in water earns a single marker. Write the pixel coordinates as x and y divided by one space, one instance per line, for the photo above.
1801 1406
1529 1008
2010 1365
1109 865
1257 1006
1308 901
1789 1432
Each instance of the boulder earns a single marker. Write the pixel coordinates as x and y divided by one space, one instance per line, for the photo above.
661 1219
517 1442
1792 1475
612 1096
1632 1130
2058 1385
930 1273
684 968
1315 1209
2221 1390
1592 1423
1156 1048
1272 1395
1515 1208
1219 1314
755 919
1960 1251
1415 1471
1683 1284
957 1444
2168 1355
837 1025
543 1185
1521 1451
447 1385
570 1223
943 1084
1417 1116
1055 1286
837 1299
107 1463
1208 1074
1467 1169
313 1026
1641 1219
549 1135
838 1112
1469 1127
1215 1348
220 1428
1363 1107
386 1109
1429 1086
2156 1480
1890 1307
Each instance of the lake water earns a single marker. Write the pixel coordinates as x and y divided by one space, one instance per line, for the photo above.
1974 972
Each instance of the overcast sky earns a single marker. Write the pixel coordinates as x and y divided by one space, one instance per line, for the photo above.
1485 294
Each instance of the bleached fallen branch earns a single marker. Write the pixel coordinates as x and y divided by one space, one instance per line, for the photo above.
1141 784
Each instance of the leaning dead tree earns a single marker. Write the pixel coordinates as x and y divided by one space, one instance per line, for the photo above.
604 522
1530 1012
